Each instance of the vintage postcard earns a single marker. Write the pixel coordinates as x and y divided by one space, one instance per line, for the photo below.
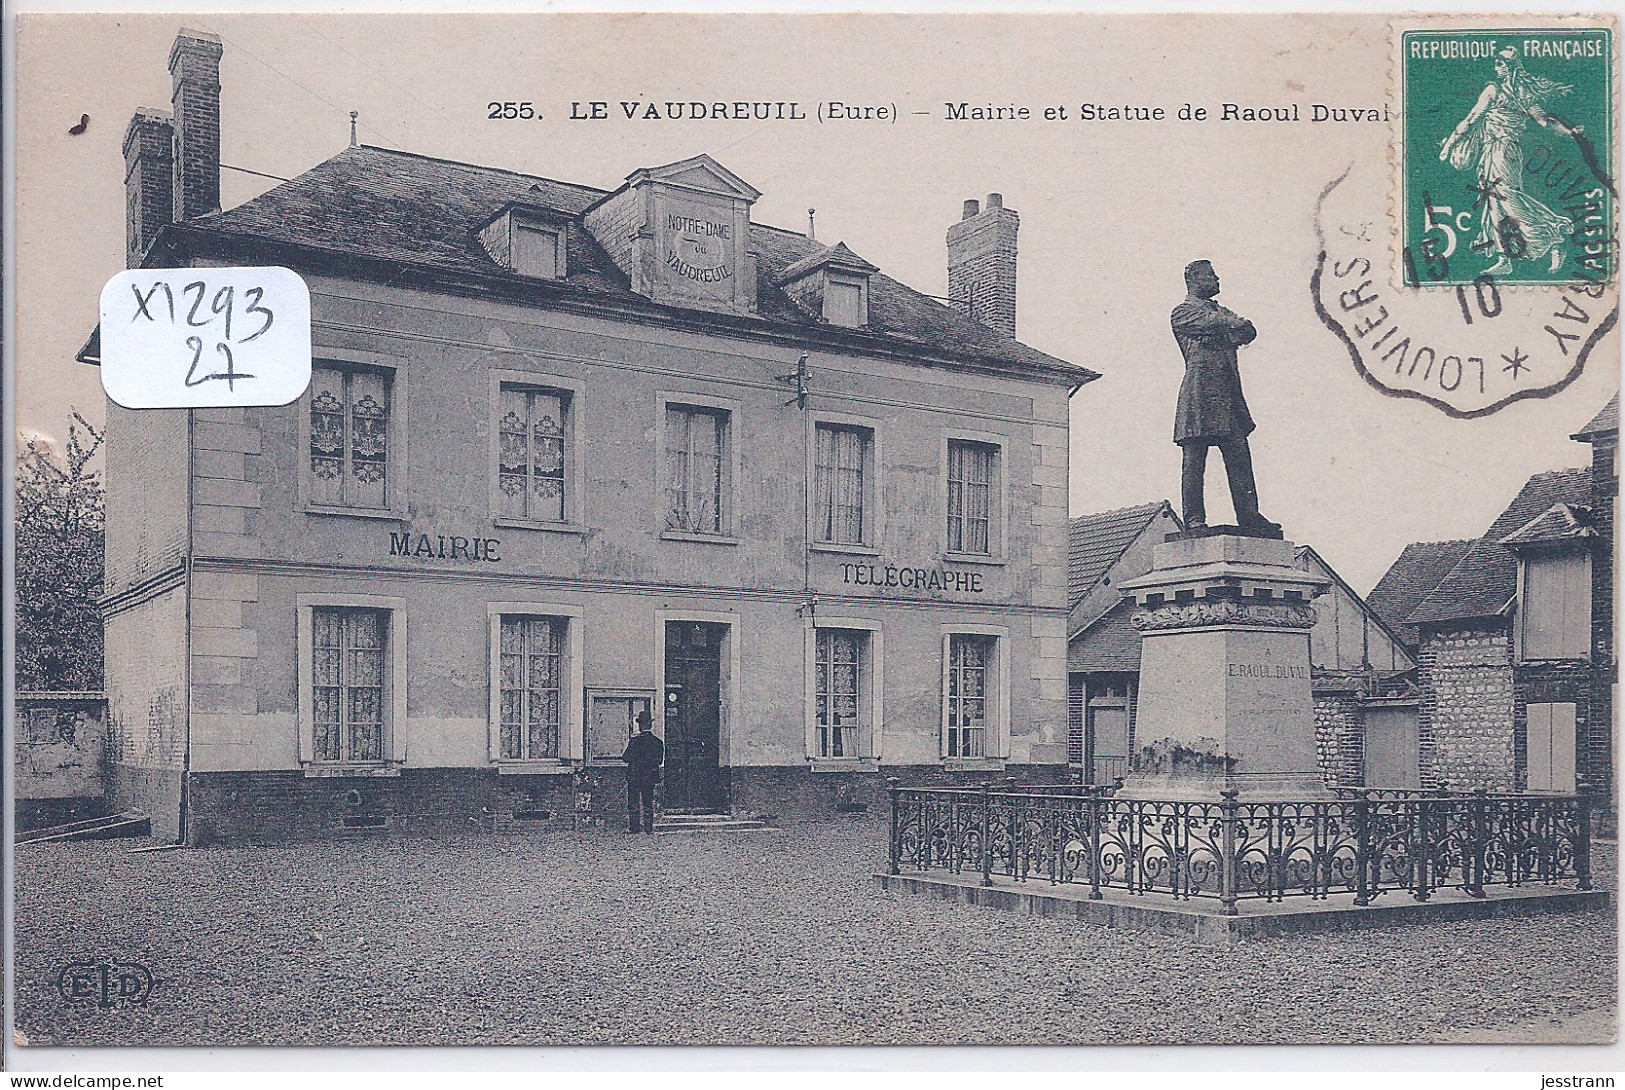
909 529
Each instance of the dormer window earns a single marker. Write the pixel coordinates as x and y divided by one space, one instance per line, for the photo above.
536 251
832 284
527 241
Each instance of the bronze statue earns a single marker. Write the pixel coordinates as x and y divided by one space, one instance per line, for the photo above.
1212 411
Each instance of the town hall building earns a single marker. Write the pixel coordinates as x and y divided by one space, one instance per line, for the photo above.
570 455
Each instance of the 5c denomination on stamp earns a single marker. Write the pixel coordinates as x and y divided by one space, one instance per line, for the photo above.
1508 141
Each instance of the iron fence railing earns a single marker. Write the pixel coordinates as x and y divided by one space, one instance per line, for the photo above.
1367 845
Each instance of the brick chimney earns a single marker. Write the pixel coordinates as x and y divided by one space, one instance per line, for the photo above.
194 64
982 263
149 159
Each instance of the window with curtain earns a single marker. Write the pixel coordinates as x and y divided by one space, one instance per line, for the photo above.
531 665
970 670
348 684
841 704
531 460
695 448
972 476
349 437
840 484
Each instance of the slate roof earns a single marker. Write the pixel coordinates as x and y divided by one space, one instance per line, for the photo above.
1110 644
1420 568
1605 422
1094 542
1486 578
398 207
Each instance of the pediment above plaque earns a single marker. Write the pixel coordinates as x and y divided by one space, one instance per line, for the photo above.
682 233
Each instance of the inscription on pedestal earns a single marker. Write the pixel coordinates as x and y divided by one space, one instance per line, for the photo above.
1266 671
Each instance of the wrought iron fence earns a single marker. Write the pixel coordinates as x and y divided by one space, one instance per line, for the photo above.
1368 845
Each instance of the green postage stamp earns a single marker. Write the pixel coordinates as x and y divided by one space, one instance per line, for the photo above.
1506 156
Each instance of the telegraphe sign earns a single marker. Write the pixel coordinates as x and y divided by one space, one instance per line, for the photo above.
919 580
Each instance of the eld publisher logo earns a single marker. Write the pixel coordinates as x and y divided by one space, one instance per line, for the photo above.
106 984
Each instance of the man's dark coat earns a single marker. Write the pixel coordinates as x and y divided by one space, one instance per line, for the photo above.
643 756
1210 403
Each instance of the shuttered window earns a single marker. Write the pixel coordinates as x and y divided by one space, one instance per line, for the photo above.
1550 747
349 437
1555 610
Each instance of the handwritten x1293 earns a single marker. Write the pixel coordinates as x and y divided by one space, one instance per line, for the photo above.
205 337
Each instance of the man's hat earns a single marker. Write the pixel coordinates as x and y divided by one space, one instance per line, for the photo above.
644 720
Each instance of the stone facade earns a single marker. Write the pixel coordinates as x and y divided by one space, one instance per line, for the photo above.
1467 721
1339 737
241 580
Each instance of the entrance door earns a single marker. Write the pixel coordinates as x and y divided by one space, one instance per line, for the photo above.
1108 729
694 775
1393 754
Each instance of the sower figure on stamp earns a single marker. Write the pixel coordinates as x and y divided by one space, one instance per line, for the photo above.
1212 412
644 755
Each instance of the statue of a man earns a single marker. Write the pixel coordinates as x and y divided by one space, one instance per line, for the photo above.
1212 412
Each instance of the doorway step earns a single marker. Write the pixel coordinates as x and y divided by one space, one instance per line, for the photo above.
672 822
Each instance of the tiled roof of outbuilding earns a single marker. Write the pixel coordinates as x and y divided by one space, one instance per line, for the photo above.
1110 644
1420 568
392 206
1605 422
1559 522
1486 579
1094 542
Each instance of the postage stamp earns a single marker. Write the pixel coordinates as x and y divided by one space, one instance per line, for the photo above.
1506 158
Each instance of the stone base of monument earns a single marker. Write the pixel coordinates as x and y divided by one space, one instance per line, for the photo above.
1225 702
1203 919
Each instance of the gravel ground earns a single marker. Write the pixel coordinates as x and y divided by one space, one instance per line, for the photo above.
775 937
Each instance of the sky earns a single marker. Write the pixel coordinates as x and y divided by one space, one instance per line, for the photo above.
1110 211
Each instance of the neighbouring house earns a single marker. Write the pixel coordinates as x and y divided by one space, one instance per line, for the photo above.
571 455
1361 667
1515 637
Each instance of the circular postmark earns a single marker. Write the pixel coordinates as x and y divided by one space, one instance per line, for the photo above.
1468 348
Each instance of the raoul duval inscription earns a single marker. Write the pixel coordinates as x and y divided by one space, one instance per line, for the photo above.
1267 670
916 579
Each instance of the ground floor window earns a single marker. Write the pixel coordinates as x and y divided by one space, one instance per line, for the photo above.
841 692
348 683
531 674
971 669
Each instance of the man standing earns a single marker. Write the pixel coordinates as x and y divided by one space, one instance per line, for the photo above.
1212 412
644 755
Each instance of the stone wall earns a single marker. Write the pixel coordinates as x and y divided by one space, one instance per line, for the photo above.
1466 721
1340 738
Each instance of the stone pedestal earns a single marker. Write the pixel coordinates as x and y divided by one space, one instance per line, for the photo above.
1225 700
